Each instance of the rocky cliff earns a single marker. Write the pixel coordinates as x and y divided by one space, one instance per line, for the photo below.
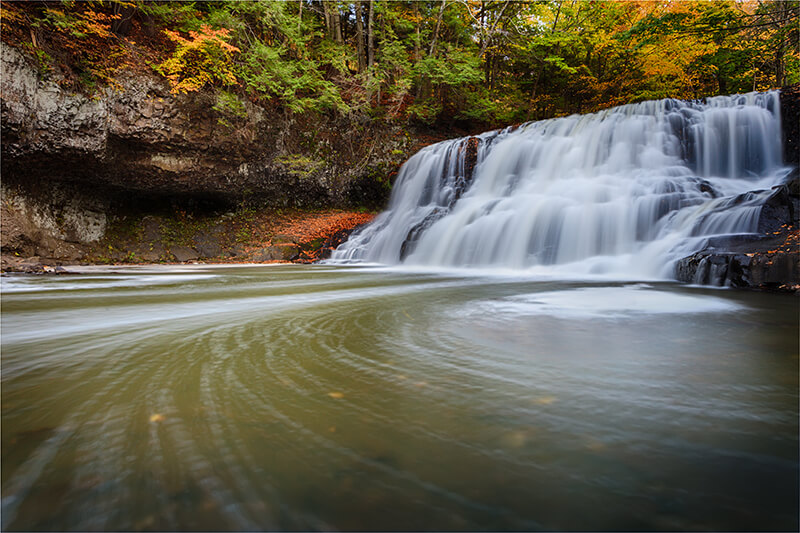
139 138
74 161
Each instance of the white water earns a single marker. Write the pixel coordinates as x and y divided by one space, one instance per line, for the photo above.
627 191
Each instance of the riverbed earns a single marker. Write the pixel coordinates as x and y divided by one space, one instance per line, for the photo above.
328 397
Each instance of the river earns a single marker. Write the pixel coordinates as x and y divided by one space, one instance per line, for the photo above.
333 397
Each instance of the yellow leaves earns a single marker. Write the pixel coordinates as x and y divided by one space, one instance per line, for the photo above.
673 55
336 395
203 59
156 418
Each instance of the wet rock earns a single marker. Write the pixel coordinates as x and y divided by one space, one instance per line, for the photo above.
66 251
706 187
121 256
277 252
470 149
333 241
415 233
30 265
283 238
207 244
238 250
151 229
312 245
184 253
17 233
753 270
780 210
149 256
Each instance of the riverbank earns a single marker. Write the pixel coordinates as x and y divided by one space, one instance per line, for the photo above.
245 235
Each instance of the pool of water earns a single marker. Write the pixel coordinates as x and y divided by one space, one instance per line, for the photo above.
363 398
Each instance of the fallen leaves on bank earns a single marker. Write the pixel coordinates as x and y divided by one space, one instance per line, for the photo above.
314 233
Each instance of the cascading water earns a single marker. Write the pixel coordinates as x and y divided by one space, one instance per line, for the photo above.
625 191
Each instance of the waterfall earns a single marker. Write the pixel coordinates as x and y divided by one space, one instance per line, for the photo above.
626 191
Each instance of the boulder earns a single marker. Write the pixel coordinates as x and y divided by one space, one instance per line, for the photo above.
730 269
283 238
277 252
207 243
184 253
151 229
779 211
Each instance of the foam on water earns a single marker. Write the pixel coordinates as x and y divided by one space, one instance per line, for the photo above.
607 302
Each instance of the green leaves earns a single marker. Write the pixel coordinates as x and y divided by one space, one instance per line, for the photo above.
297 84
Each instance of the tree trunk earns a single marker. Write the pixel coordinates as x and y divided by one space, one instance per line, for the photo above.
326 6
417 54
122 24
362 60
438 25
370 34
337 24
558 13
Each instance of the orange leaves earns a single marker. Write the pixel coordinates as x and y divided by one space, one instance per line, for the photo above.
316 232
205 36
324 225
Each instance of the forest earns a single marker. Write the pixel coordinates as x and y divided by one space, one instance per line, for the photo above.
472 63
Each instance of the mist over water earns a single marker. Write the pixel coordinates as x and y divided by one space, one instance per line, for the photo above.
626 191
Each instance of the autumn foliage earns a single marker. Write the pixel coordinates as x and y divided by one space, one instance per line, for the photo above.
201 60
471 63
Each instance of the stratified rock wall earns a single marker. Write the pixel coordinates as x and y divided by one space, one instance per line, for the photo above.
140 138
136 137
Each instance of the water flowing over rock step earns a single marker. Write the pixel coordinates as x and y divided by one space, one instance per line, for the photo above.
767 260
628 191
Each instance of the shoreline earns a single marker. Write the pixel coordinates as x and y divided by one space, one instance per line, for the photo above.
250 236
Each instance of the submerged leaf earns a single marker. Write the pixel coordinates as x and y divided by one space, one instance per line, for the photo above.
544 400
